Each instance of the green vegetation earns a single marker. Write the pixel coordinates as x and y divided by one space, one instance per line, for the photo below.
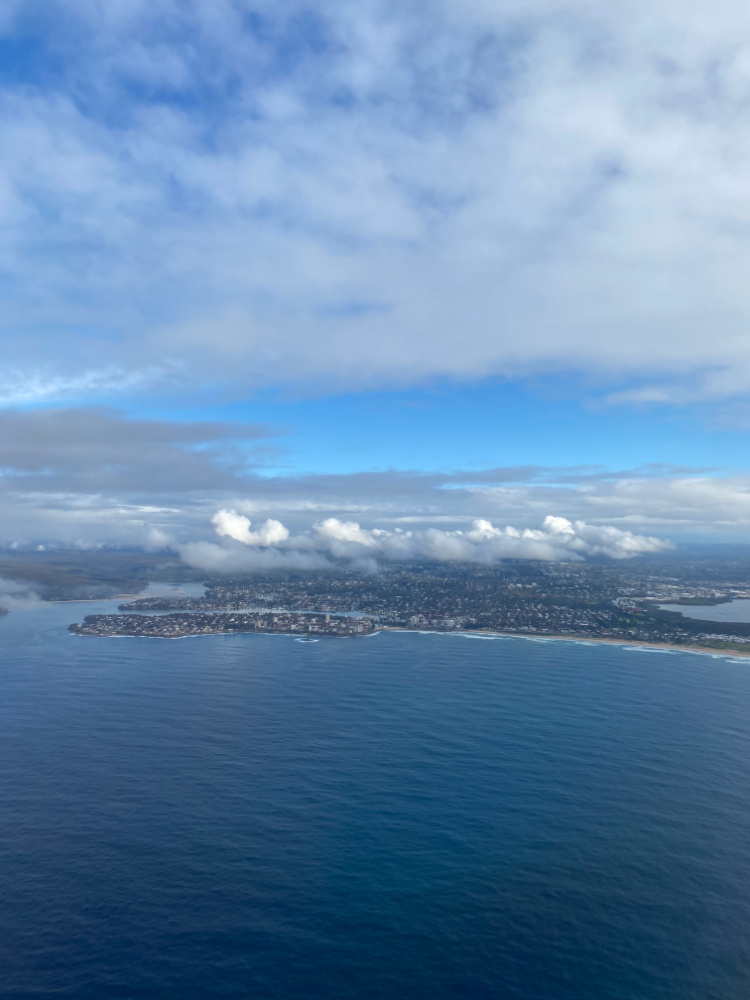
70 576
701 602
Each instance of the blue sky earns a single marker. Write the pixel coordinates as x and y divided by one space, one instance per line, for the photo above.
476 426
315 250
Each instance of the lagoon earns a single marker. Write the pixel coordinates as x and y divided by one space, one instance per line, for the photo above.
732 611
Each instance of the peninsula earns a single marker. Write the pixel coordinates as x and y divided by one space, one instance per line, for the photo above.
177 626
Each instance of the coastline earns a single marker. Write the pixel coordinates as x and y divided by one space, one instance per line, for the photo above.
585 640
94 600
200 635
633 644
705 650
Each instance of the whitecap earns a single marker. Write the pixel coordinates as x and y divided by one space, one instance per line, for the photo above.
648 649
468 635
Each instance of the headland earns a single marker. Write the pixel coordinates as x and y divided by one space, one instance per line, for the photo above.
182 624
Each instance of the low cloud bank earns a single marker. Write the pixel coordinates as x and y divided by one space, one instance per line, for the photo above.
272 546
17 596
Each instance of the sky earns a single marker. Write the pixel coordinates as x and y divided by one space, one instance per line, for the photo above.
382 274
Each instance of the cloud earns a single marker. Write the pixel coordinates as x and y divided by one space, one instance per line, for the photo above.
234 525
557 539
25 387
337 196
17 596
219 559
89 477
102 450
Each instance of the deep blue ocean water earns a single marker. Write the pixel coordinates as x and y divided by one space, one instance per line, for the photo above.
400 816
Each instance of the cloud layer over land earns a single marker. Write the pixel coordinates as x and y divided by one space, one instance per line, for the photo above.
272 545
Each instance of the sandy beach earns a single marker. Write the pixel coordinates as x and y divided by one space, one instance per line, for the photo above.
705 650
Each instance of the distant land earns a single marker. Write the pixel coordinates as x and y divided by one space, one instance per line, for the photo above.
64 575
589 600
602 601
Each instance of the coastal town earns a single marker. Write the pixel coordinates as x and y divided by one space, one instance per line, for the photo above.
589 601
177 626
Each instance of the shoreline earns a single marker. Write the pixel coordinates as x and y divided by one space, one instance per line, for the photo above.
586 640
94 600
200 635
633 644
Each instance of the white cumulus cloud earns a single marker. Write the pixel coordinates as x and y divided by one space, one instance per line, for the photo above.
273 546
230 524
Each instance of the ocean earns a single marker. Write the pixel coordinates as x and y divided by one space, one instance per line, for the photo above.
411 816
